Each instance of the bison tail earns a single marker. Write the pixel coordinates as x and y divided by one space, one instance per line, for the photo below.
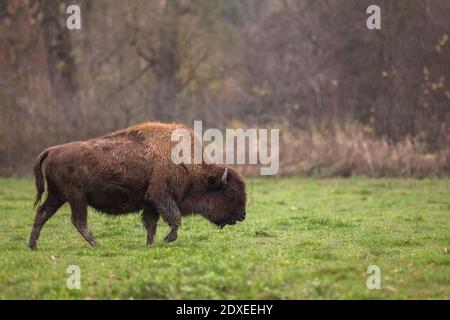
39 176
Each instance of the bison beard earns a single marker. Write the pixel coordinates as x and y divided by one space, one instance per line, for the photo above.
130 170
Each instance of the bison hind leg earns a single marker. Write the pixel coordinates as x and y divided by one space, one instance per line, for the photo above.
79 219
45 211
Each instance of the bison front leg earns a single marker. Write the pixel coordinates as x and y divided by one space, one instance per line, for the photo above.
171 215
79 220
167 208
150 219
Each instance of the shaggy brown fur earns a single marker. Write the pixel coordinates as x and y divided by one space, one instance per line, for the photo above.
131 170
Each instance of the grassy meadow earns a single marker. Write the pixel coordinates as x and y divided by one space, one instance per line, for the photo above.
303 239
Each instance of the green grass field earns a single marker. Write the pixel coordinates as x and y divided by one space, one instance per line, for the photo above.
303 239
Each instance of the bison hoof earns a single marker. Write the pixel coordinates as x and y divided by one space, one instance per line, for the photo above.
32 246
170 238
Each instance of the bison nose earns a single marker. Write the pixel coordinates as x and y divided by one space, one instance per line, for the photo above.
242 218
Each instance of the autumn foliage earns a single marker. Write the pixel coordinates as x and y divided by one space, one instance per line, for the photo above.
348 100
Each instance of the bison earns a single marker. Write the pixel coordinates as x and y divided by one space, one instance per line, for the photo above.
130 170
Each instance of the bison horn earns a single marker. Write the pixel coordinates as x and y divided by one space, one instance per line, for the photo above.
224 177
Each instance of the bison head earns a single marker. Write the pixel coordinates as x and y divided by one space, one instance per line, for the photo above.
222 198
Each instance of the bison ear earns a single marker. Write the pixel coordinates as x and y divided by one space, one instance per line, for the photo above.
215 182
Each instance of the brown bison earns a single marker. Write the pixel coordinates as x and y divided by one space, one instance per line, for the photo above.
131 170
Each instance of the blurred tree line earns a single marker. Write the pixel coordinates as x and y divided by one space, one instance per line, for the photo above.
251 62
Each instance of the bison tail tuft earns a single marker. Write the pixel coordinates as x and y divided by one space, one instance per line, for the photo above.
39 176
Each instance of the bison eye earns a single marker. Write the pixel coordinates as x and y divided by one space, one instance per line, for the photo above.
229 194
